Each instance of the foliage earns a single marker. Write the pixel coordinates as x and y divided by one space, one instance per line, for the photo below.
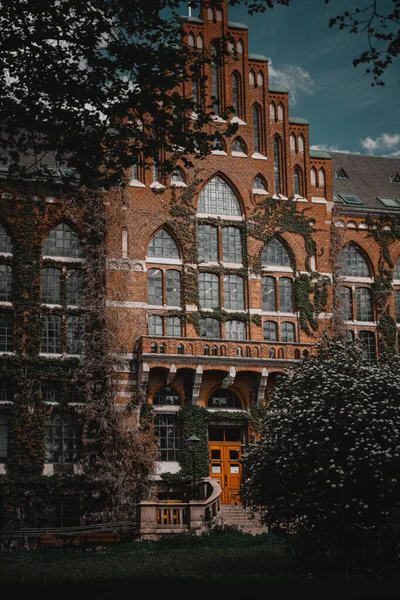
194 420
388 329
330 455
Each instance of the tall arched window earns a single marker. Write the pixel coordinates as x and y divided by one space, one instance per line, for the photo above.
191 40
272 111
224 398
353 263
275 254
396 274
321 177
200 42
162 245
236 94
239 47
6 273
256 129
238 146
298 188
215 82
63 241
260 79
217 197
300 143
252 78
280 111
277 165
292 143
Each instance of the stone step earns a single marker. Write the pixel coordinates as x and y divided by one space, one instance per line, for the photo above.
238 516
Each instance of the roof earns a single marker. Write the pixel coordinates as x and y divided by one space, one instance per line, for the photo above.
298 120
319 154
259 57
368 178
192 19
235 25
278 89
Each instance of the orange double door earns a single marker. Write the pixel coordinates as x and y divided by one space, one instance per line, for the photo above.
225 447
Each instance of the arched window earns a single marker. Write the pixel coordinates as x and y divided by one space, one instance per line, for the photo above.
238 146
210 328
275 254
219 14
173 288
364 304
210 15
155 325
270 331
352 262
288 333
155 287
177 176
215 83
321 177
218 145
396 274
256 129
239 47
166 396
345 303
217 197
235 330
260 79
292 143
313 176
280 111
272 111
63 241
286 294
300 143
252 78
167 430
191 40
200 42
298 180
232 245
162 246
236 94
268 294
207 239
277 165
260 183
5 241
367 340
224 398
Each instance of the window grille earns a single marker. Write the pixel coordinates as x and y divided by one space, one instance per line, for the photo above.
155 325
270 331
5 241
345 299
397 298
207 237
162 246
209 290
396 274
285 294
232 245
218 198
275 255
5 283
6 391
155 287
210 328
235 330
300 143
51 334
352 262
166 396
364 305
3 437
62 438
63 241
238 146
277 165
259 183
6 332
292 143
167 430
75 286
51 285
367 339
234 292
75 334
51 391
256 129
224 398
297 181
288 332
173 287
268 294
174 327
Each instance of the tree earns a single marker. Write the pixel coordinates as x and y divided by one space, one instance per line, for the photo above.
329 454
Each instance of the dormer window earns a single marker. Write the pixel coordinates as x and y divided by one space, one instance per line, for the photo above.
341 174
395 178
238 147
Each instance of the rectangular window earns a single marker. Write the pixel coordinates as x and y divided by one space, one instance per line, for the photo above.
75 287
3 437
5 283
210 328
268 294
62 438
155 325
364 304
235 330
174 327
51 391
234 292
345 303
6 391
167 430
232 245
209 290
6 332
51 286
208 243
64 511
397 296
155 291
75 334
367 339
285 295
173 284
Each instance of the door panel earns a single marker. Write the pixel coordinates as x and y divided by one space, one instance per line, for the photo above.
225 466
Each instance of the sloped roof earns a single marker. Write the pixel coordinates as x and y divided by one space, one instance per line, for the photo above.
368 178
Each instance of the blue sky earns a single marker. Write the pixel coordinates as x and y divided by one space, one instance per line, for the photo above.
315 62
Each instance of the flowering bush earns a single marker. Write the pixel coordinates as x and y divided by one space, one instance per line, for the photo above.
329 454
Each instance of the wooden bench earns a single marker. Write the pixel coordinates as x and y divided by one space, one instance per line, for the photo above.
98 539
94 539
55 540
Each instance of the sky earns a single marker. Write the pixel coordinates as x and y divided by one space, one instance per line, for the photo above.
344 111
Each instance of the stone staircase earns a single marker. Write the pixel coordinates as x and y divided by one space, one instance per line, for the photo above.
238 516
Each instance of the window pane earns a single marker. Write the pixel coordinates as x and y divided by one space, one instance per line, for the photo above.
345 303
232 245
210 328
288 332
173 283
397 297
51 391
5 283
155 325
352 262
51 285
367 339
63 241
277 165
364 305
6 332
208 243
62 438
162 246
75 334
235 330
285 294
275 254
215 77
166 396
235 93
5 241
75 293
297 187
256 129
268 294
3 437
234 292
270 331
218 198
6 391
259 183
166 428
209 290
224 398
174 327
396 274
155 291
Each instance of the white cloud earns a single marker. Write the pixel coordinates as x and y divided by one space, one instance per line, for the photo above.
327 148
387 144
294 78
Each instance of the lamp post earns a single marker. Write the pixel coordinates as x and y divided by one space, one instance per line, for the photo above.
192 444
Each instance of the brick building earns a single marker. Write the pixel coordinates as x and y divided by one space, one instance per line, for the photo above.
219 277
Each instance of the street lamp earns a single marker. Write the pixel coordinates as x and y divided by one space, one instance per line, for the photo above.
192 444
